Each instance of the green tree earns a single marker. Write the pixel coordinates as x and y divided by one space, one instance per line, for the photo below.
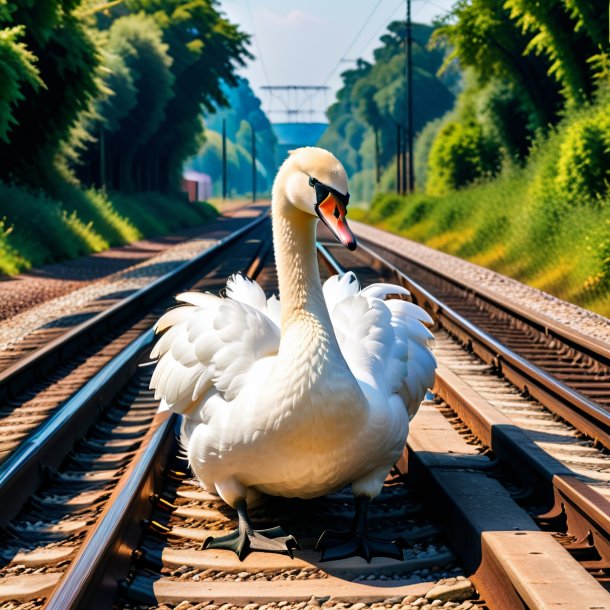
67 61
460 154
482 36
18 73
143 79
205 49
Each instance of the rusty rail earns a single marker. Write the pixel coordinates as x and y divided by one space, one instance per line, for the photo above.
19 375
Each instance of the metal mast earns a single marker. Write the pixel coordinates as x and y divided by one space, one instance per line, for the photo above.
410 175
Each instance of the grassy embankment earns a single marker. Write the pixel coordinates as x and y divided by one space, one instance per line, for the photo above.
36 228
545 224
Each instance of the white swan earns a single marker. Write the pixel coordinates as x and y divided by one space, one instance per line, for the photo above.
303 399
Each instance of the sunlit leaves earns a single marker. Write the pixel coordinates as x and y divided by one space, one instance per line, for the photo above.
18 74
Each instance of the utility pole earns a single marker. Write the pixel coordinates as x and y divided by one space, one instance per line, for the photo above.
253 163
405 154
377 168
102 158
398 151
409 38
224 158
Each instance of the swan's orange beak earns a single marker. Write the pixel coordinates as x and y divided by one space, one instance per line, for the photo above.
332 212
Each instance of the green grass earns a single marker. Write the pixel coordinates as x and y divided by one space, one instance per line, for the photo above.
503 225
37 228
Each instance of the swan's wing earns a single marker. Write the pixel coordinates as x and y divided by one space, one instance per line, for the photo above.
211 344
384 341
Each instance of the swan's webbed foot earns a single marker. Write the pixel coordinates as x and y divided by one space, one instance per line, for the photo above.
245 538
356 542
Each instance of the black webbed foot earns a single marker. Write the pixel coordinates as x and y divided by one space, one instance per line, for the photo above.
356 542
245 538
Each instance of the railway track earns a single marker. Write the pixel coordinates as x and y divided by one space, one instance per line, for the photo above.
120 521
532 422
567 371
44 381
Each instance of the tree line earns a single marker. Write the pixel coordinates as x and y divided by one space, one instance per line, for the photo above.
490 79
241 116
370 110
112 93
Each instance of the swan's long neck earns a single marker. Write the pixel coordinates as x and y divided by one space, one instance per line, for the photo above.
309 355
294 234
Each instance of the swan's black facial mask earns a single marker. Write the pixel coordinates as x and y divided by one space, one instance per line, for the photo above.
331 207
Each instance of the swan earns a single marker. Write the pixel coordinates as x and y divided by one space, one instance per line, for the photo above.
303 398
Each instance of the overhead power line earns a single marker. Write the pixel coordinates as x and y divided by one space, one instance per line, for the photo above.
349 48
258 46
353 42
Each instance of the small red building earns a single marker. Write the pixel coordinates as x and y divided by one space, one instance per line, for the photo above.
197 185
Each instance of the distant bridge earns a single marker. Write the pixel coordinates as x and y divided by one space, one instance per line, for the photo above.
297 103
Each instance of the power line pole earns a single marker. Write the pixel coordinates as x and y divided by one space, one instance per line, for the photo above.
102 158
253 163
410 175
377 168
398 151
224 158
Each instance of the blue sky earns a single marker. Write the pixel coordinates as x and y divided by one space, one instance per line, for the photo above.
303 43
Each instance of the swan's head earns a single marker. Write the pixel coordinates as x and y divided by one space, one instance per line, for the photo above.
315 182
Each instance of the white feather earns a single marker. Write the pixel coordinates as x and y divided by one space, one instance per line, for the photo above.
306 410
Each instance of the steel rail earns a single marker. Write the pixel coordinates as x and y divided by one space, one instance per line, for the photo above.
587 512
91 579
18 376
23 472
592 347
581 412
104 556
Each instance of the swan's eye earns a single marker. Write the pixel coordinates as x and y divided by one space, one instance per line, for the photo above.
336 213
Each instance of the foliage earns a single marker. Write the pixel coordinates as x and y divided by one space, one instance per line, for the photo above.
54 42
163 65
583 171
139 81
545 223
567 36
482 36
17 72
204 47
460 154
37 229
373 96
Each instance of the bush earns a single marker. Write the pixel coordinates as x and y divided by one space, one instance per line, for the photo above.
461 153
36 229
583 170
42 230
385 205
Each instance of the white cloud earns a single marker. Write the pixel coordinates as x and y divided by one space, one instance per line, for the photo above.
294 19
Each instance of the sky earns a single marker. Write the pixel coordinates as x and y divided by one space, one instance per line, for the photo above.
310 42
